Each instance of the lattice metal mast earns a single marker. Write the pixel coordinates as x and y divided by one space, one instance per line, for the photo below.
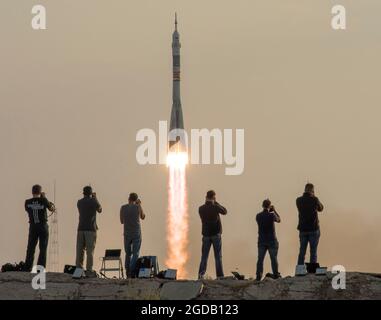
53 258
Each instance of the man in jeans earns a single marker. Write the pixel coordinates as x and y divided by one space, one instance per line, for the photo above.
36 208
211 233
130 216
309 231
267 240
88 208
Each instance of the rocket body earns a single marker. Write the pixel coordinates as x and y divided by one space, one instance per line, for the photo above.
177 120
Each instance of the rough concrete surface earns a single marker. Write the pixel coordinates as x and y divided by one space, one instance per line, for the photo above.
17 285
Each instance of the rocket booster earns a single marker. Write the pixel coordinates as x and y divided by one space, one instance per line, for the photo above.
177 121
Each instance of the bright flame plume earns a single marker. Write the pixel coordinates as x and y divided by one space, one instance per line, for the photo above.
177 235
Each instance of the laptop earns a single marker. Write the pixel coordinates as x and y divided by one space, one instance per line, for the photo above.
170 274
113 253
321 271
69 269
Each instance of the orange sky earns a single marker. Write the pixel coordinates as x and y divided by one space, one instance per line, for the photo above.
73 97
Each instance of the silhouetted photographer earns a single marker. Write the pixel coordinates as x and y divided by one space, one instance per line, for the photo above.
211 233
267 240
88 207
309 230
37 207
130 216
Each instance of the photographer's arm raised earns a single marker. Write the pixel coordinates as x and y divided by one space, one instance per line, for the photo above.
319 205
276 216
99 207
222 210
141 212
51 206
121 216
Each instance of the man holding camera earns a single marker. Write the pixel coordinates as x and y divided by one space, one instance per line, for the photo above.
267 240
130 216
309 230
36 208
88 208
211 233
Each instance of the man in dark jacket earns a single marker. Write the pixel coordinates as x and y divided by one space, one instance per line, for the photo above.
88 207
309 231
267 240
211 233
36 208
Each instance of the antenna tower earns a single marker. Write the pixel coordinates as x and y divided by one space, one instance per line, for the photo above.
53 258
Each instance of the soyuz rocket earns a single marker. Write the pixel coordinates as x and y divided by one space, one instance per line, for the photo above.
177 121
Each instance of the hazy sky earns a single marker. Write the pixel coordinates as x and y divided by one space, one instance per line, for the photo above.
73 97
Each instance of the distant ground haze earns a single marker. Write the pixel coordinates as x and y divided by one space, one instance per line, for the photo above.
73 97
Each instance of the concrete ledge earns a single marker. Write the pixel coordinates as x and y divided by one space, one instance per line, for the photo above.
17 286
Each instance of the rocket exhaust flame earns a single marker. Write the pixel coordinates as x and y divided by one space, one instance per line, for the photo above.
177 235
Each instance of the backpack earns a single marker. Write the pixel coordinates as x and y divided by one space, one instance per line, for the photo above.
9 267
147 262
